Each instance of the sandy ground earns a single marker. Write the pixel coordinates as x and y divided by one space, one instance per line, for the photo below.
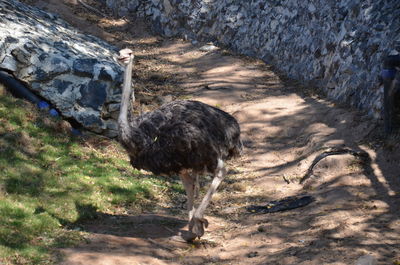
284 127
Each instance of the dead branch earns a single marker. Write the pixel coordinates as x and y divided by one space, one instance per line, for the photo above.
340 151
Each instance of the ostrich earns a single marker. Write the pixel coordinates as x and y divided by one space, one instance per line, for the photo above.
183 137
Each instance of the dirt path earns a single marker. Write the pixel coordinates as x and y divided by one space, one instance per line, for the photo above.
357 205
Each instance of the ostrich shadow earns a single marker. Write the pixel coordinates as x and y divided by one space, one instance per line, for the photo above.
138 226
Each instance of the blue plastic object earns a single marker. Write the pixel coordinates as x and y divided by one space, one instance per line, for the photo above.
53 113
388 73
76 132
43 105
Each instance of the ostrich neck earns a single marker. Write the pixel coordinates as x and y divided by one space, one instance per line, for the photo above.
126 93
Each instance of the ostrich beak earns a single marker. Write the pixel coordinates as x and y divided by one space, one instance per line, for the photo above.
123 59
125 56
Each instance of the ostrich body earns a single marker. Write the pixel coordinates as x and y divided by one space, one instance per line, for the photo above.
185 138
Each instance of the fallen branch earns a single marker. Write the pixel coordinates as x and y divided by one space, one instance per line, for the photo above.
341 151
91 8
285 204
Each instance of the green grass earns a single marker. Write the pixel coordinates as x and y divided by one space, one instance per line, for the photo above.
51 181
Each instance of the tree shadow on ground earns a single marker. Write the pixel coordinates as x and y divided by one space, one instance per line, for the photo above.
139 226
355 212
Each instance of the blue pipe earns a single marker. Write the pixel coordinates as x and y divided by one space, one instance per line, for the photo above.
391 62
19 90
390 65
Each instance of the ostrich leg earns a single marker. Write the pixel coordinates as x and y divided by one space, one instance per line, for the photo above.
198 222
189 184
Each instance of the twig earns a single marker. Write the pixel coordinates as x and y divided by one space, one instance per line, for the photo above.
286 179
361 154
169 229
91 8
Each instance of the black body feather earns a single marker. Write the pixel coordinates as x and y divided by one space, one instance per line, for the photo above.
182 135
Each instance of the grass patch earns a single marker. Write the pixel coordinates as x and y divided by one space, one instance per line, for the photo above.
50 181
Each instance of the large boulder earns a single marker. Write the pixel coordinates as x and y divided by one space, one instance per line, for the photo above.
75 72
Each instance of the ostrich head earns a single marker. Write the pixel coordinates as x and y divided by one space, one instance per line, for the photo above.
125 56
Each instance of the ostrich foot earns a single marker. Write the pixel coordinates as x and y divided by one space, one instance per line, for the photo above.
197 225
187 236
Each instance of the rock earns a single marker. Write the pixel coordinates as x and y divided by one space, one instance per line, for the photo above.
123 12
262 228
133 5
252 254
208 48
311 8
366 260
167 7
75 72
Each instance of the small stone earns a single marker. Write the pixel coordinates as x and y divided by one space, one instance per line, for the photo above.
261 228
252 254
208 48
366 260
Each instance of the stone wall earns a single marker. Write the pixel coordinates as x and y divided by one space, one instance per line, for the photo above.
75 72
335 45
